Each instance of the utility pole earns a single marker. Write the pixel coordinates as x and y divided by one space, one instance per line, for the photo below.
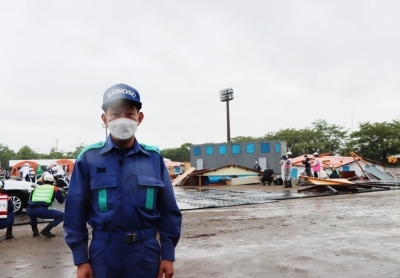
226 95
106 127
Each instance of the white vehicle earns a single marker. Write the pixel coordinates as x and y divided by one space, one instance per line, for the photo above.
19 192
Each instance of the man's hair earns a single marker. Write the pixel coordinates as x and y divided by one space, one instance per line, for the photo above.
123 102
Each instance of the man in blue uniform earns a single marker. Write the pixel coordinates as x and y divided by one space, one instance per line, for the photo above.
7 222
42 197
122 189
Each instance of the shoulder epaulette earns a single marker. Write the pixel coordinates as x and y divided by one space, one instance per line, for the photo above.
93 146
150 148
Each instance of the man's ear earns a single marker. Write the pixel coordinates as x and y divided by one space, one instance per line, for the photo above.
104 118
141 117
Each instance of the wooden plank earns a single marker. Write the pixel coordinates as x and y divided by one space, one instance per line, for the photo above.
318 181
309 188
331 189
362 169
373 186
184 175
182 183
360 158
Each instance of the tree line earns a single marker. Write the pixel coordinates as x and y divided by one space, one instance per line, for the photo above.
26 152
376 141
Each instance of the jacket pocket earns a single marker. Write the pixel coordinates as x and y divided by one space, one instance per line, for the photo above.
103 186
148 191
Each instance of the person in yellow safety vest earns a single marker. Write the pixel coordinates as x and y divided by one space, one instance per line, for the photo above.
41 198
8 221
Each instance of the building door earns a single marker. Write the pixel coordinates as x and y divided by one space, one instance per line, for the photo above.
199 164
263 163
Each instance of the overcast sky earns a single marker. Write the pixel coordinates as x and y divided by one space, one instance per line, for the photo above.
289 63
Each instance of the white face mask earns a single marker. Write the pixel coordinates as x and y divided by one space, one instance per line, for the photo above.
123 128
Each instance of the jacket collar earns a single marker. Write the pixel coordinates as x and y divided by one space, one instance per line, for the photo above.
109 145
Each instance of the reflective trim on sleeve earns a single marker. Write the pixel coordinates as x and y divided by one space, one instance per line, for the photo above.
149 198
103 199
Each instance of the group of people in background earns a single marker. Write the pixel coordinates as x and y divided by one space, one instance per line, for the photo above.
318 169
313 168
50 187
28 174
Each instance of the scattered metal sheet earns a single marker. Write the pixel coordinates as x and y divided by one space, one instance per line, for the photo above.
195 199
371 177
378 173
189 199
390 174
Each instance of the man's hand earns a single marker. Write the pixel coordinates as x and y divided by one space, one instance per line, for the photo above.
167 268
84 271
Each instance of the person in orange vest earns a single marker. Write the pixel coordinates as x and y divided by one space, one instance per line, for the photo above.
8 221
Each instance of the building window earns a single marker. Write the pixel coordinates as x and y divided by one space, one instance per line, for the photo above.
222 149
250 148
209 150
235 148
196 151
265 148
277 147
177 170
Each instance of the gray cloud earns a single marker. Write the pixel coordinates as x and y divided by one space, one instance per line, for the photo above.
289 62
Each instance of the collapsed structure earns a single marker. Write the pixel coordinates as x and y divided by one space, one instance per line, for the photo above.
354 170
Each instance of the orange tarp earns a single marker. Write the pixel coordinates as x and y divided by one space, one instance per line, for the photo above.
15 170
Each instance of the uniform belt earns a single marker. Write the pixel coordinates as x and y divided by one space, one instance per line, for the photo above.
129 237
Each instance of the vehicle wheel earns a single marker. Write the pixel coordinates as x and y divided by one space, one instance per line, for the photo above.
17 200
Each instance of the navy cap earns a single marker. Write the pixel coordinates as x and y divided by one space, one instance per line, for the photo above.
121 91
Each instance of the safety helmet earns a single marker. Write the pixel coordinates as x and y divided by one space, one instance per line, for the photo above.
26 164
315 154
53 164
289 153
256 162
48 177
330 166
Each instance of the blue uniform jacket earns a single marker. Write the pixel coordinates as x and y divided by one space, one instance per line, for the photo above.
118 192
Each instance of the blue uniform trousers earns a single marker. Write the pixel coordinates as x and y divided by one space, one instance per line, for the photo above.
7 222
125 260
45 213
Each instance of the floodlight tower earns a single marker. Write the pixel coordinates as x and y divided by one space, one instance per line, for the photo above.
226 95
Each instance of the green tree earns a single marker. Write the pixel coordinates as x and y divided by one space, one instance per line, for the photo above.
329 138
74 154
298 141
27 153
377 141
55 154
6 155
181 154
240 139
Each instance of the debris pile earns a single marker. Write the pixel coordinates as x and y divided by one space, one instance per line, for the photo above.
334 185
